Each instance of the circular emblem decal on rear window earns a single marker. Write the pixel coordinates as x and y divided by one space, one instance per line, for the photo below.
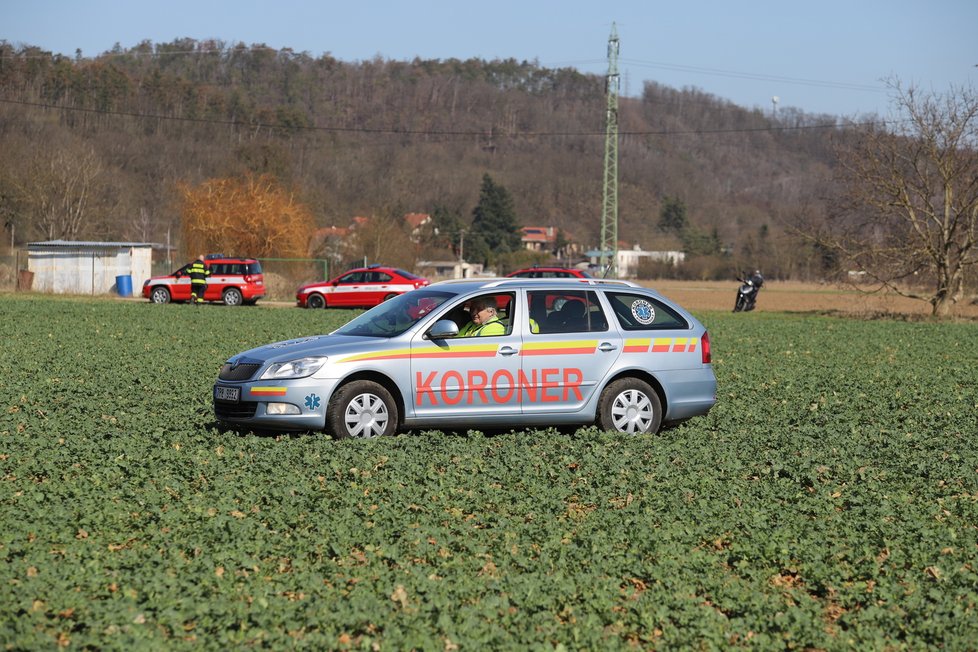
643 312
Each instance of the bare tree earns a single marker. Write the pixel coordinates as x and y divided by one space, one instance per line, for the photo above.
60 189
382 239
911 218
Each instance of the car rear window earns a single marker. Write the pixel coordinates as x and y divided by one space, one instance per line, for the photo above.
408 275
638 312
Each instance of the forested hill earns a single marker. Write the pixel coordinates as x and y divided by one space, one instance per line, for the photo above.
384 138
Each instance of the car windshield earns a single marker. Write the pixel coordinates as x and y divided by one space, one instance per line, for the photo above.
397 315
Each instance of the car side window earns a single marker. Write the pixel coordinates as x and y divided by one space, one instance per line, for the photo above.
219 269
504 304
559 311
636 312
380 277
352 277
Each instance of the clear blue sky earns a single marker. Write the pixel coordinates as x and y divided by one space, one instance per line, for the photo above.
823 56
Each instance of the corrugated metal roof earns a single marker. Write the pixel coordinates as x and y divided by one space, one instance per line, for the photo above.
85 244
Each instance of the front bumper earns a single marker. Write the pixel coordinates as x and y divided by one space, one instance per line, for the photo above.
307 396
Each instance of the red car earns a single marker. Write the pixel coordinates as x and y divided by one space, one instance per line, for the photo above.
550 272
364 287
233 281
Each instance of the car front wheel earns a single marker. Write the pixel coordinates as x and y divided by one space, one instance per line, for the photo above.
316 301
362 409
159 295
630 406
232 297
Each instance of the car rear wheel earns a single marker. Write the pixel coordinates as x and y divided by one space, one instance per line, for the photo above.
159 295
232 297
630 406
390 296
362 409
316 301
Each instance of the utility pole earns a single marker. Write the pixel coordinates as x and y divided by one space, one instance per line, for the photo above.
609 210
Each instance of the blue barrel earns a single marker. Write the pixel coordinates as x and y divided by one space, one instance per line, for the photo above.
123 285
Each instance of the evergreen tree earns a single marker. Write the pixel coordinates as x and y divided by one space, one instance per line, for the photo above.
495 229
446 227
672 217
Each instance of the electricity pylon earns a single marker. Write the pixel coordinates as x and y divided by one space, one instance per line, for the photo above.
609 212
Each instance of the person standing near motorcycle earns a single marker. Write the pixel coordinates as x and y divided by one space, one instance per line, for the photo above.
198 273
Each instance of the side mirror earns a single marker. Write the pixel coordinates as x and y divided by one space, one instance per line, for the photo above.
442 329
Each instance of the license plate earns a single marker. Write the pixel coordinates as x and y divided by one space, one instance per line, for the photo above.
227 393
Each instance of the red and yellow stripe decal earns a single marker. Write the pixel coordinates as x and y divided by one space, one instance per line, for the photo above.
268 391
640 345
462 351
576 347
569 347
662 345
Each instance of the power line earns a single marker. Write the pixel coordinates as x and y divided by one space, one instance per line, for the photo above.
241 48
431 132
756 76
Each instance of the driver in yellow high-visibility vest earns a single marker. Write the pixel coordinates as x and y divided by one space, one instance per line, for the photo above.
485 321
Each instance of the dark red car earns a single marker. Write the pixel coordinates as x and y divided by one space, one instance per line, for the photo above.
550 272
364 287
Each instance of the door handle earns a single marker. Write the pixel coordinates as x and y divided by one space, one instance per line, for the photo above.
606 346
508 350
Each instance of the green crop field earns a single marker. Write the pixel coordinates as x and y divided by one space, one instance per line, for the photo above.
829 501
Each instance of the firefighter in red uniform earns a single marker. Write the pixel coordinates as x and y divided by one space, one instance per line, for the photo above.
198 273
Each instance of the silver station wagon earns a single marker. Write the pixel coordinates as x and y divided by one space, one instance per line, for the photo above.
541 352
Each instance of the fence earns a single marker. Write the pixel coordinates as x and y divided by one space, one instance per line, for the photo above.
282 275
8 272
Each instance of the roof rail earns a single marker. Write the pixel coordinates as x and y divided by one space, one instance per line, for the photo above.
546 281
490 282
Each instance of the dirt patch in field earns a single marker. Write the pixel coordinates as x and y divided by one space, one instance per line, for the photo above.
791 296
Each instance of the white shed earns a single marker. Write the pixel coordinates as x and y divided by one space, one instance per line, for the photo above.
68 267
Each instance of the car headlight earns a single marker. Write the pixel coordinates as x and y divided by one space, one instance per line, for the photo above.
294 368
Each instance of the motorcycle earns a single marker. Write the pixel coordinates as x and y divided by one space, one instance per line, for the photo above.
746 296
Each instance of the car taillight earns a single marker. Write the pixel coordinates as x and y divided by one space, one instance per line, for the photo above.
420 284
705 348
247 278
